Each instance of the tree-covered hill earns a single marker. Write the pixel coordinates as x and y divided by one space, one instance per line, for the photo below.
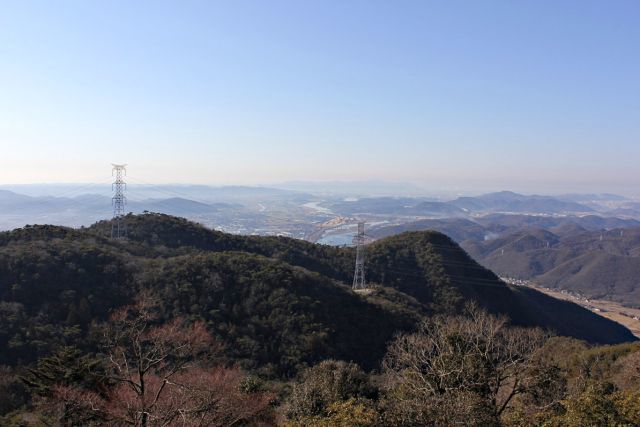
434 269
596 264
278 304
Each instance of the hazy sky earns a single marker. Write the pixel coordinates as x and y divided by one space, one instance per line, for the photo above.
525 95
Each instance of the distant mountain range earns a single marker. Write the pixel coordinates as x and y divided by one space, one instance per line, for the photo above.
197 199
596 264
489 227
353 188
18 209
506 202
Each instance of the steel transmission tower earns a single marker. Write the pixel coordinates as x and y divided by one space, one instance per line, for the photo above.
118 227
358 276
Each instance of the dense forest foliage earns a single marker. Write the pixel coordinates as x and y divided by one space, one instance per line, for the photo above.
277 324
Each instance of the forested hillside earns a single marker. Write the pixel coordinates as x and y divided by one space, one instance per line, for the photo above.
274 305
596 264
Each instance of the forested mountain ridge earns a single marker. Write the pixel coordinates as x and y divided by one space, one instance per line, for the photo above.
596 264
427 265
255 319
279 303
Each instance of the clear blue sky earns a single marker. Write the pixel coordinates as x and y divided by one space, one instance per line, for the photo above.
524 95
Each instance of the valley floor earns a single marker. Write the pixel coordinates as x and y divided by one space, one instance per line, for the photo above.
626 316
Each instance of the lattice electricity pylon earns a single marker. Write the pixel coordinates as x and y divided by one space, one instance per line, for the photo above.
118 226
358 276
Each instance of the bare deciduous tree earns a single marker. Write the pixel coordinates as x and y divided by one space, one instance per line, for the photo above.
144 359
457 366
158 377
